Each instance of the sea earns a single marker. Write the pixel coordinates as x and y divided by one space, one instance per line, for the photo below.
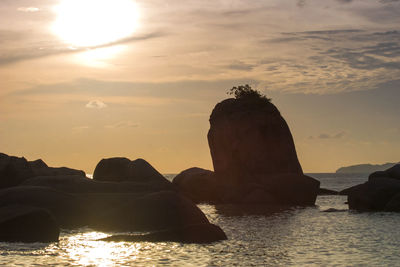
257 237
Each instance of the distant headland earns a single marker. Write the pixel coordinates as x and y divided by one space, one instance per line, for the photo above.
365 168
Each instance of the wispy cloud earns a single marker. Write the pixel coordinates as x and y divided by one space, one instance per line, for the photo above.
39 50
239 65
329 136
28 9
96 104
122 124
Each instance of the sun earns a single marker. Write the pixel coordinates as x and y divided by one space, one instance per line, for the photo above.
90 23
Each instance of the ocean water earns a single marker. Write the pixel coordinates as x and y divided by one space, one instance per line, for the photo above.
294 237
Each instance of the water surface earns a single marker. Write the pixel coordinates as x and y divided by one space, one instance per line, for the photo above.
294 237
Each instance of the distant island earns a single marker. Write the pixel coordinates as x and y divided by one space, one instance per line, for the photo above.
365 168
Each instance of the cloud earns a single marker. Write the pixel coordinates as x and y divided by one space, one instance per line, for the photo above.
344 1
239 65
329 136
28 9
122 124
301 3
79 129
40 51
96 104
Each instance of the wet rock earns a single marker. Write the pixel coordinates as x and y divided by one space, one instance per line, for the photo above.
109 211
334 210
393 172
325 192
13 170
373 195
27 224
40 168
251 143
197 184
80 184
123 169
197 233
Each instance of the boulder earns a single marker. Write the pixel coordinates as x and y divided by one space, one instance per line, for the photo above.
250 143
197 184
13 170
197 233
325 192
27 224
249 136
123 169
109 211
394 203
393 172
69 210
373 195
40 168
81 184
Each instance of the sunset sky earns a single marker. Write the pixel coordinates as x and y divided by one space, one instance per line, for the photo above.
82 80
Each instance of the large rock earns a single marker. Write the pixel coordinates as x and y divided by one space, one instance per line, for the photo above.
123 169
393 172
69 210
253 151
198 233
13 170
380 193
110 211
374 195
40 168
198 184
27 224
80 184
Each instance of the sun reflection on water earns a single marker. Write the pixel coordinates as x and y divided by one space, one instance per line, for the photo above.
84 250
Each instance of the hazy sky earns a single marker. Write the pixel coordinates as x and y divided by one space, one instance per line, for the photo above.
85 79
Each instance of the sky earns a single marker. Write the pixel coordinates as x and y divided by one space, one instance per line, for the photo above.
83 80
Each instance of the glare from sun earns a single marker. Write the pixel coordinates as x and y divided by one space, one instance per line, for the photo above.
90 23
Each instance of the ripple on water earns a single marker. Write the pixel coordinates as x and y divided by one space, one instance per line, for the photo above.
293 237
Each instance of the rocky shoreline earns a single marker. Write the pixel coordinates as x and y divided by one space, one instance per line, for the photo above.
255 163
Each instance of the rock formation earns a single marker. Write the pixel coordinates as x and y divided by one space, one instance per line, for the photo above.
198 184
254 157
14 170
123 169
27 224
40 168
380 193
132 197
196 233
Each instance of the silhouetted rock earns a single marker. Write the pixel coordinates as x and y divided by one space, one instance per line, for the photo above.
380 193
197 184
27 224
123 169
373 195
251 146
40 168
334 210
80 184
394 203
13 170
109 211
393 172
68 209
324 192
197 233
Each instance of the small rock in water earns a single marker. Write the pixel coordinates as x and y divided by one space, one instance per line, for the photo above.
334 210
